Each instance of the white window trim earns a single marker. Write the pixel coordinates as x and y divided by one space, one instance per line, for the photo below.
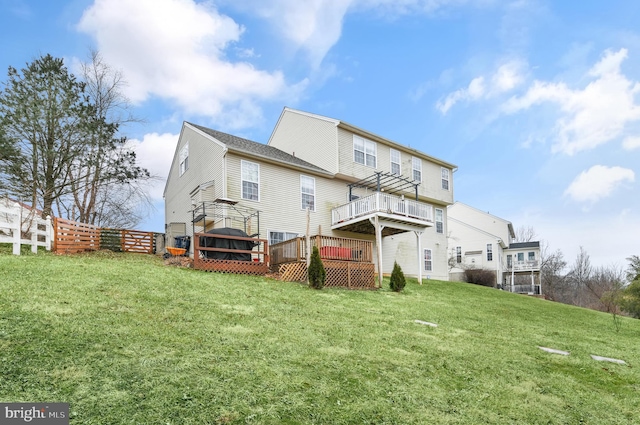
436 219
416 161
399 162
424 259
270 231
242 162
302 176
183 165
448 179
489 251
364 151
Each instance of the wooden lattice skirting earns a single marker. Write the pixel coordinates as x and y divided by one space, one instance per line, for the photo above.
231 266
347 274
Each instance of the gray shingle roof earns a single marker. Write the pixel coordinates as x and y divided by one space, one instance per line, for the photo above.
520 245
252 148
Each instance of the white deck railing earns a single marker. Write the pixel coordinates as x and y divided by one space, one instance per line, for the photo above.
523 266
382 202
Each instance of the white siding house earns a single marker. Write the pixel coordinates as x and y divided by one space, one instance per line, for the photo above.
480 240
356 185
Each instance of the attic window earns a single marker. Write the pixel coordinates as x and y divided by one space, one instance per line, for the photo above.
184 158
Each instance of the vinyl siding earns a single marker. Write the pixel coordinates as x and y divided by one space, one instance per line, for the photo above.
280 202
430 189
403 248
206 160
308 138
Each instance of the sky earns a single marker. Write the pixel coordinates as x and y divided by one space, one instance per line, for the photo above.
535 101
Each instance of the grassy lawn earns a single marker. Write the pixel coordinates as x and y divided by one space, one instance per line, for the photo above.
127 340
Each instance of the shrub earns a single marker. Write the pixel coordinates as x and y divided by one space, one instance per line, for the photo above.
316 272
398 281
482 277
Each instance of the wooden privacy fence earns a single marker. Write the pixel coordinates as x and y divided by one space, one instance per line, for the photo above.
72 236
20 226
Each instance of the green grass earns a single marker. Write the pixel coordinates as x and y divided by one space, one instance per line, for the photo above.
127 340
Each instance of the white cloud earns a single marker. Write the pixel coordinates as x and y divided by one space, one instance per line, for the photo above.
175 50
631 143
591 116
155 153
598 182
315 26
508 76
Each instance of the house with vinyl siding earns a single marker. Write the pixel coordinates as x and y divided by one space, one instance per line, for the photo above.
480 240
315 173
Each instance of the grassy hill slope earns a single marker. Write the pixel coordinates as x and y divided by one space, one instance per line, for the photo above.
125 339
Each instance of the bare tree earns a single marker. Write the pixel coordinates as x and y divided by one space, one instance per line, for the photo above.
525 234
554 282
103 197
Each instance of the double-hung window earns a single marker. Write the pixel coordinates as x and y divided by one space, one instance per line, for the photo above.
364 151
489 252
250 180
439 220
532 256
458 254
445 178
184 158
308 192
428 262
395 162
416 164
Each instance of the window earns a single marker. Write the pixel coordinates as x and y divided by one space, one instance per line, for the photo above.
277 237
445 178
416 163
521 256
458 254
489 252
250 180
439 221
308 192
509 261
184 158
428 263
532 256
364 151
395 162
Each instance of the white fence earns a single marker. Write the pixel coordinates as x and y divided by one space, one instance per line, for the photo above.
17 222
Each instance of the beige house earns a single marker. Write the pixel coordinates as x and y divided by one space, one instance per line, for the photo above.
355 184
477 239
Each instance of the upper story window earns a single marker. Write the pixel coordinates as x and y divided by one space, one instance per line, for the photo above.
250 180
521 256
416 164
458 254
532 256
439 220
445 178
184 158
308 192
489 252
395 162
364 151
509 261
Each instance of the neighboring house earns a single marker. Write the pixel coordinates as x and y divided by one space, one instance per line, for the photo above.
477 239
356 184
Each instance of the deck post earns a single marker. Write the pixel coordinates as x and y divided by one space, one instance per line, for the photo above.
378 228
419 243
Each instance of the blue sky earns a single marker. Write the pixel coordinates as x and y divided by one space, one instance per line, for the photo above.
536 101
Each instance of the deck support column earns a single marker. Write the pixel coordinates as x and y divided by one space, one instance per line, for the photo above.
419 244
378 228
